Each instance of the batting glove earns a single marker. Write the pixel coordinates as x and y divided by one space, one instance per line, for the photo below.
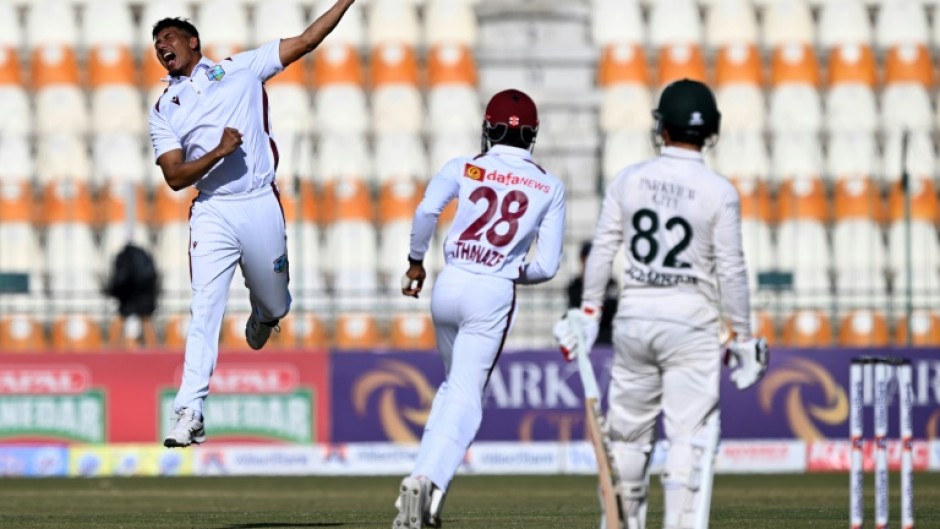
748 361
577 323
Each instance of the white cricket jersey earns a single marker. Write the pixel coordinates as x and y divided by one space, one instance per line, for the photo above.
504 202
680 223
193 112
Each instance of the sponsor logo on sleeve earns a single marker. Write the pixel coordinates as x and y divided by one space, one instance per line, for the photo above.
473 172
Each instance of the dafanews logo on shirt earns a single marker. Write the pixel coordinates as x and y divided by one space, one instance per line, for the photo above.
473 172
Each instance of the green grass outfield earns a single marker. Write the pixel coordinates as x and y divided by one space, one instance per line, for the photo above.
752 502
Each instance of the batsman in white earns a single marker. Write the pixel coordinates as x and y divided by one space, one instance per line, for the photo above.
681 224
504 203
210 129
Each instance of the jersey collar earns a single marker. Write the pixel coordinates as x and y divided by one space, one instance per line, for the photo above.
511 151
685 154
204 64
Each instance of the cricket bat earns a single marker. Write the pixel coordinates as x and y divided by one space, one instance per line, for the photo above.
592 412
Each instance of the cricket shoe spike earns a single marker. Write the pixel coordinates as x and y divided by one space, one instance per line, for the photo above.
414 498
188 430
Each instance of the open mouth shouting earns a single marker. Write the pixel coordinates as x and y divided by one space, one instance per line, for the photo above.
169 59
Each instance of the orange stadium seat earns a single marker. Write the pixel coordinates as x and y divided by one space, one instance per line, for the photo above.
398 200
75 333
111 65
762 324
794 63
858 199
623 64
755 200
16 202
175 329
923 201
10 67
413 331
451 64
909 63
925 326
739 63
681 61
21 334
68 201
356 331
300 331
397 105
232 335
807 328
852 63
132 333
340 100
347 200
54 65
172 206
394 64
336 65
802 200
863 328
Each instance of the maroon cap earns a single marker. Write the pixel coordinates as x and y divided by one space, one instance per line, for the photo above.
512 108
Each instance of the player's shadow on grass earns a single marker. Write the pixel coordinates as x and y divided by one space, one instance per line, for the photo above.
266 525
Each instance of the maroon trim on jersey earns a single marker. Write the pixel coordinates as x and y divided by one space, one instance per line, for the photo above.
481 155
277 195
189 246
502 342
165 90
535 164
267 126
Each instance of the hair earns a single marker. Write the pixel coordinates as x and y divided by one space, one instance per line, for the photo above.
179 23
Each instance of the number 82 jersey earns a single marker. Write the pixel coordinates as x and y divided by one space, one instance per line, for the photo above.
680 226
504 202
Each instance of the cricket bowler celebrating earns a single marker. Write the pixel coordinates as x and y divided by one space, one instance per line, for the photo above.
210 129
504 203
681 224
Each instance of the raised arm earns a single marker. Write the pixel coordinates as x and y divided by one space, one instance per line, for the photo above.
294 48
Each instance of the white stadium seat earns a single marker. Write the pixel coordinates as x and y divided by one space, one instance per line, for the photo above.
62 156
796 156
352 30
758 249
156 10
107 23
14 110
674 22
622 149
788 22
17 163
617 22
223 28
454 108
852 155
445 147
290 109
742 155
117 108
810 265
851 107
61 108
397 108
843 22
921 156
730 22
120 158
400 156
343 156
449 22
51 22
626 107
11 34
171 253
341 109
901 22
906 106
795 108
393 22
859 260
742 107
279 19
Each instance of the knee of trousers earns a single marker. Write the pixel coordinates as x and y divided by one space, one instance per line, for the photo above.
689 459
631 461
459 417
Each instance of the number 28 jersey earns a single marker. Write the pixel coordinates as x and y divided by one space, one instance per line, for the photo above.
504 202
680 226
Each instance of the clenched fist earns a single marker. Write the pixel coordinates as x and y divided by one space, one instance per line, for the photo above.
231 140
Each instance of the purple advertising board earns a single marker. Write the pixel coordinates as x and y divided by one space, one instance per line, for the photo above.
536 395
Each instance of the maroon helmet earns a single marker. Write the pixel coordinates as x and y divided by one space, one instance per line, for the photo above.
510 110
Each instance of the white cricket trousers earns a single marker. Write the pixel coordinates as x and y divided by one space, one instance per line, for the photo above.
225 231
662 366
472 316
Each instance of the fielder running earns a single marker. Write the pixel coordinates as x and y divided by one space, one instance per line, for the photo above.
681 225
210 129
504 203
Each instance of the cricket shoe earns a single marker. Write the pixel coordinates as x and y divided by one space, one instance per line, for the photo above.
414 498
188 430
258 332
